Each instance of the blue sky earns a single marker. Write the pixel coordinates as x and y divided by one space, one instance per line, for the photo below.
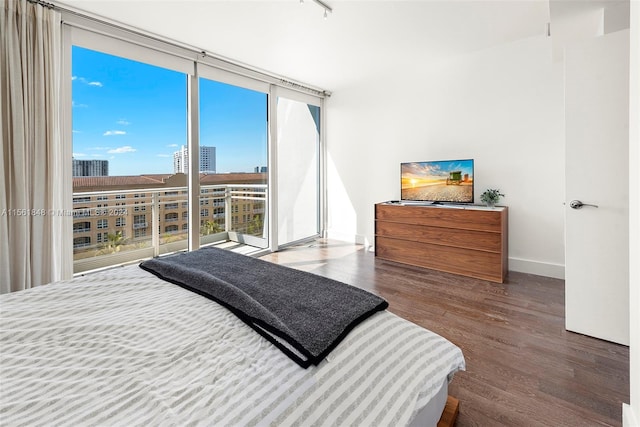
134 115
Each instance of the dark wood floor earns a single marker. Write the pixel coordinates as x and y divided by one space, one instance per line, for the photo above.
523 368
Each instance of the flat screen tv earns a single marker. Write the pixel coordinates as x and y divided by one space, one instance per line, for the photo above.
441 181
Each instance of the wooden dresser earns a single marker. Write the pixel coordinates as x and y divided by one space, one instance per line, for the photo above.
467 240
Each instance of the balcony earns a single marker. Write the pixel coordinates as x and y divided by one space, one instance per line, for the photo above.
122 244
81 212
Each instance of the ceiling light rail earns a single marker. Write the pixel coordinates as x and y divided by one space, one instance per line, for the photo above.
323 5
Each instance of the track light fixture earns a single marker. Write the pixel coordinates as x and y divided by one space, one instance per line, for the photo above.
323 5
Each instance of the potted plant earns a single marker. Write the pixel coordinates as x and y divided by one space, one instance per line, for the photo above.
491 196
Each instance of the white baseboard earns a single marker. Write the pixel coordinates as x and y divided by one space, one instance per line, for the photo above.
536 267
629 418
347 237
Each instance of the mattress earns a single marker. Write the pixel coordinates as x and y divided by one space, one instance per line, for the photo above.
122 347
431 413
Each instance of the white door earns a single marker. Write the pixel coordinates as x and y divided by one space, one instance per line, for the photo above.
597 142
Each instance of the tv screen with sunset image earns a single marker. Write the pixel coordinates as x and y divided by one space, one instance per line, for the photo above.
442 181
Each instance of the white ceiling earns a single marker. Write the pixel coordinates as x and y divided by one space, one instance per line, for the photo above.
293 40
360 38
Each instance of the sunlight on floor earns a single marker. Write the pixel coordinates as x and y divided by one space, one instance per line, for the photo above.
309 256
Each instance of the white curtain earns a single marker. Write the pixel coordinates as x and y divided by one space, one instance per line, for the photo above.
35 181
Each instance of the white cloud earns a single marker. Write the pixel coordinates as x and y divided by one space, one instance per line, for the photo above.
76 131
100 148
79 155
87 82
165 155
76 105
172 145
114 132
123 122
120 150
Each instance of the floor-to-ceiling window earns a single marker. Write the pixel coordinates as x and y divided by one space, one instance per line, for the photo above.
129 121
134 122
122 106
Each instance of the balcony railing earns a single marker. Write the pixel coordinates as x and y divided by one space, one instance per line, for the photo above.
121 243
81 212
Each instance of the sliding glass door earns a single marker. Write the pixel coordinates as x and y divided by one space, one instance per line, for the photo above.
298 166
233 134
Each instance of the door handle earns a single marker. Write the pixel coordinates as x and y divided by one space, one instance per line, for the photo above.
577 204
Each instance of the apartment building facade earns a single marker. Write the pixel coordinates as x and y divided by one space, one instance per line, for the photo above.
116 212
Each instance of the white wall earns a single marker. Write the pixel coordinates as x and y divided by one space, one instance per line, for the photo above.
502 107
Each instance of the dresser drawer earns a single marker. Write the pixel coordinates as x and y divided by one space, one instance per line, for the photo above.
470 239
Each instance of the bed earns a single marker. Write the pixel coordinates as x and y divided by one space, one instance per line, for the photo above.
124 347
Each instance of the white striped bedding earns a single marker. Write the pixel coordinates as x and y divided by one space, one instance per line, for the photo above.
122 347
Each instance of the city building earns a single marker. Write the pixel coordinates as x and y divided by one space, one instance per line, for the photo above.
119 209
90 167
207 160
